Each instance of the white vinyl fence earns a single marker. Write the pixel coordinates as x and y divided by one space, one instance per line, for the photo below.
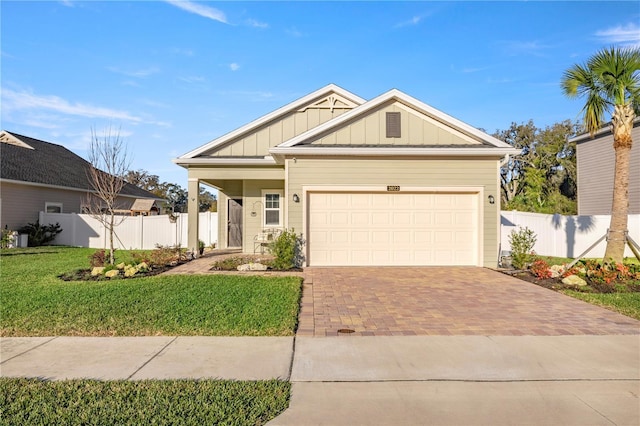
135 232
564 236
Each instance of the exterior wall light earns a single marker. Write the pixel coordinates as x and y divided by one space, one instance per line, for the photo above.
492 199
296 198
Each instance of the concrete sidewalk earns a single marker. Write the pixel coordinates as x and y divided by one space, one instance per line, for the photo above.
465 380
137 358
393 380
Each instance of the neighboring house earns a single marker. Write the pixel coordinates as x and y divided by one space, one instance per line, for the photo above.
596 159
40 176
390 181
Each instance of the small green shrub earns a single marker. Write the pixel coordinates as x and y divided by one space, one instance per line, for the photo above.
232 263
522 242
40 235
287 249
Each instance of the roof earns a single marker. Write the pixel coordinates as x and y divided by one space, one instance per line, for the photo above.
142 205
25 159
489 145
605 130
480 143
272 116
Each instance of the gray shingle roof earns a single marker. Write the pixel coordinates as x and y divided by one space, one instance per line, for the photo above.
50 164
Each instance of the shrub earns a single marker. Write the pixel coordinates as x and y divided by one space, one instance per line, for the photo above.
522 242
287 250
165 255
98 258
540 269
40 235
8 238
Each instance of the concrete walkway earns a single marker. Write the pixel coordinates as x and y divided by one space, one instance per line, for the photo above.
137 358
385 380
465 380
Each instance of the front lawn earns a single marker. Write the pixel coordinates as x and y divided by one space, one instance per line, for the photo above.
158 402
37 303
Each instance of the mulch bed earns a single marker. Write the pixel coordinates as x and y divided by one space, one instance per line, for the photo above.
85 274
557 284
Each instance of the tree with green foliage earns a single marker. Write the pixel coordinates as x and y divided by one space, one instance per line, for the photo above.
610 82
542 177
174 194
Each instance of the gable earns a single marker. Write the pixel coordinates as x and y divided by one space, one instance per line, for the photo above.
256 138
8 138
416 129
257 142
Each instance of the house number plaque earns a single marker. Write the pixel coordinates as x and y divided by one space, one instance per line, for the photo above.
393 188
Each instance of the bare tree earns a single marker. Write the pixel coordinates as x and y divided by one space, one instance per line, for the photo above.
109 162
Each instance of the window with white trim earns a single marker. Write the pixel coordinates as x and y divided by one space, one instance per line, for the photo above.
272 216
52 207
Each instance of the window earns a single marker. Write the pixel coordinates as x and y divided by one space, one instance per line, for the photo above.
272 208
393 124
53 207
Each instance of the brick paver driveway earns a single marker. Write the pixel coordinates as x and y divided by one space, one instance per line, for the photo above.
444 301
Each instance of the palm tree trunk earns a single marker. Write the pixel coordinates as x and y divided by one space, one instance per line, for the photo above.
622 121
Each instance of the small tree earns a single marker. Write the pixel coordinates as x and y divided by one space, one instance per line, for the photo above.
109 162
522 242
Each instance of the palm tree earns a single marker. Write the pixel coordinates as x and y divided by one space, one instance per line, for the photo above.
610 82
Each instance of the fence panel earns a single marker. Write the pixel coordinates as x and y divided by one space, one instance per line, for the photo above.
564 236
134 232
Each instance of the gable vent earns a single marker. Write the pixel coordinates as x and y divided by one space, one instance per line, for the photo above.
393 124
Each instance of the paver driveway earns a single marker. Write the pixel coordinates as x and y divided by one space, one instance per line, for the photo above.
389 301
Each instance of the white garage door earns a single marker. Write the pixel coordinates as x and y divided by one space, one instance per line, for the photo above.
359 229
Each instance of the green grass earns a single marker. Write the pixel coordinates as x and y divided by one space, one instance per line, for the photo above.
159 402
625 303
36 303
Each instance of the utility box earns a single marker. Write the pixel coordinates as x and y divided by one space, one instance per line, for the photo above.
22 240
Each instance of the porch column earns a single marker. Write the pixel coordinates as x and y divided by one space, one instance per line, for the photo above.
193 205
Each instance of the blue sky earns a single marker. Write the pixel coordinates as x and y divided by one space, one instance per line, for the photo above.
174 75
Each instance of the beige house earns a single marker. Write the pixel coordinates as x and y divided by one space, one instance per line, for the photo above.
389 181
596 160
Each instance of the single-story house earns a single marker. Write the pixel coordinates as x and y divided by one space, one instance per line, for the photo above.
389 181
595 161
40 176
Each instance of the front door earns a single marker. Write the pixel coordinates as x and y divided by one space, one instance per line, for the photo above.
234 224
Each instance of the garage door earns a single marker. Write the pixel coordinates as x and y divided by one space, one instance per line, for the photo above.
361 229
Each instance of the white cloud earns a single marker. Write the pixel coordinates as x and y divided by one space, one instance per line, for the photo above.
413 21
192 79
67 3
294 32
141 73
234 67
13 101
256 24
627 35
515 47
199 9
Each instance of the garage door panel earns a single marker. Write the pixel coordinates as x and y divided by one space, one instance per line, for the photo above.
392 229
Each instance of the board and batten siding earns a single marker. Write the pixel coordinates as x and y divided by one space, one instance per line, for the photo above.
476 172
415 129
253 202
258 142
595 161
